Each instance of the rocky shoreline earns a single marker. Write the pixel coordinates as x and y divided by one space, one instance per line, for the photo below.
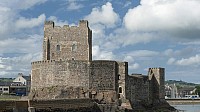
81 105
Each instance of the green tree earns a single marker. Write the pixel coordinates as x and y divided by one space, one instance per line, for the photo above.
178 87
197 90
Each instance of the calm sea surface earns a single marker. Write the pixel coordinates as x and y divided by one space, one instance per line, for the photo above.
188 108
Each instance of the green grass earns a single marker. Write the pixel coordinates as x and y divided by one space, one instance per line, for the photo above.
9 97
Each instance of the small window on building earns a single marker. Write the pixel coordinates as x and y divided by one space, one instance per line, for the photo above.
73 59
5 89
0 89
58 48
120 89
53 55
74 47
119 77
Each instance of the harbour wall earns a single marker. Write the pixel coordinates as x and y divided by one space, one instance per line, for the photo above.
183 101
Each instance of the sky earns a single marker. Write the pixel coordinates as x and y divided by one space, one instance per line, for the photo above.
145 33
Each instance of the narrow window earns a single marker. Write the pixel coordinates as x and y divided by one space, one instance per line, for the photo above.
119 77
53 55
5 89
48 50
58 48
74 47
120 89
72 58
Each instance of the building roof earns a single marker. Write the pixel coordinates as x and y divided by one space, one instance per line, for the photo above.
5 83
187 89
138 75
26 77
17 84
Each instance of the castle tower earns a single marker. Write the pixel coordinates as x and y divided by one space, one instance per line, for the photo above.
157 79
122 79
67 43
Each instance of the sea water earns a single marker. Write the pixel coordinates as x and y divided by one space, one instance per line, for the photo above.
188 108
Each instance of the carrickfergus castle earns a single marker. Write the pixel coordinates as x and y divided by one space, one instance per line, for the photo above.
67 71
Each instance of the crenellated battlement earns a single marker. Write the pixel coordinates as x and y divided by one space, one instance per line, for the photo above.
56 61
82 23
49 23
67 62
156 68
67 42
42 62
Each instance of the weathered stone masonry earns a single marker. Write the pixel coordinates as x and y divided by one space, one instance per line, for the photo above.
67 71
57 73
67 43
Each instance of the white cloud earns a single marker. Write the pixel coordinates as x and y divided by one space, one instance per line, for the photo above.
194 60
13 23
21 4
123 37
6 20
98 34
190 43
101 19
19 46
27 50
2 66
171 61
99 54
104 15
133 66
23 23
22 64
16 41
128 59
168 52
184 52
57 22
31 44
143 53
171 18
74 6
128 3
3 73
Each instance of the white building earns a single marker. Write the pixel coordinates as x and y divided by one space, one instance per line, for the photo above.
25 80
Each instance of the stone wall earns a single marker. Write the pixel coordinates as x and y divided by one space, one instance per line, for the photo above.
137 89
122 77
103 75
60 73
67 43
59 92
68 72
157 79
98 78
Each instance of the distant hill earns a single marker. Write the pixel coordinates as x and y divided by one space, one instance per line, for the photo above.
181 83
6 79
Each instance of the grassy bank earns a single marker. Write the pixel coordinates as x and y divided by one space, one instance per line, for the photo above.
9 97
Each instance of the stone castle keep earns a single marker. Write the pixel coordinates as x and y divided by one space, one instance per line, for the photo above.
67 71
